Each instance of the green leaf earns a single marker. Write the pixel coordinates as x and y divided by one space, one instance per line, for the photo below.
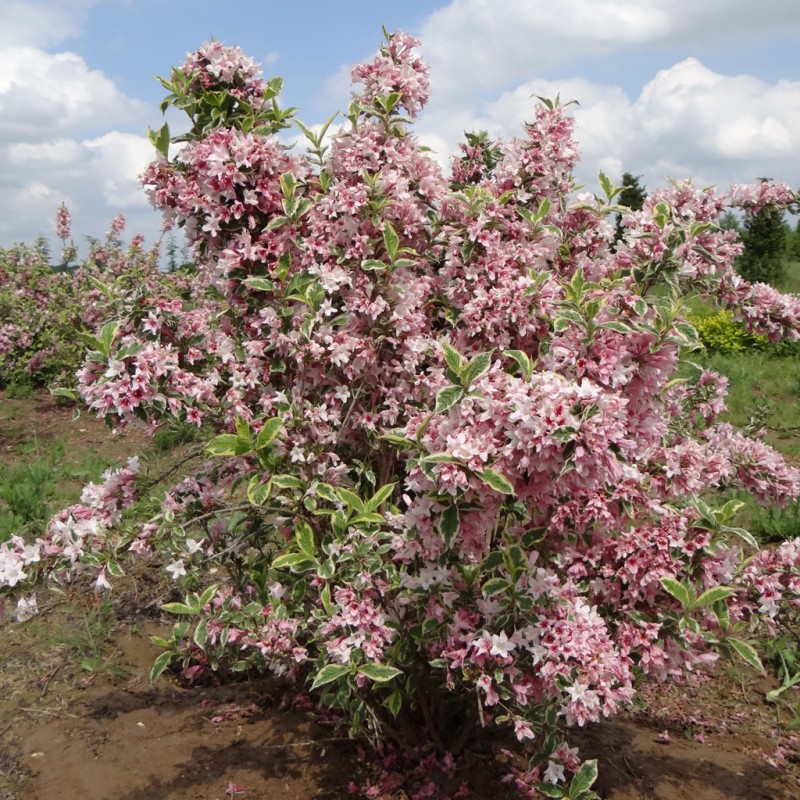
677 590
160 665
107 336
201 634
380 673
544 208
297 562
304 534
571 316
269 430
330 673
615 325
227 444
475 368
160 139
367 519
100 286
179 630
496 480
326 570
326 599
394 703
391 240
453 358
584 778
373 265
283 265
747 653
350 499
130 349
606 185
260 284
439 458
449 524
205 598
723 616
523 360
71 394
257 492
492 561
661 214
326 492
447 397
114 569
243 432
178 608
711 596
380 497
744 535
288 185
277 222
494 585
286 482
551 790
399 441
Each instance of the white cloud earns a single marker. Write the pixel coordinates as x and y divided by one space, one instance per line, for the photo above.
43 94
57 153
41 23
97 178
57 128
475 45
688 121
117 159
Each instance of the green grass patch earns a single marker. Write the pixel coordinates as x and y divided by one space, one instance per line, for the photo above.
791 278
39 484
763 393
762 388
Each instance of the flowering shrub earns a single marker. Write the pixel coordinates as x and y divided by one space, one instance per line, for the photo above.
721 333
45 310
454 483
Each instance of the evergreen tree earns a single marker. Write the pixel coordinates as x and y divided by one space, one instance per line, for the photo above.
730 222
632 196
764 238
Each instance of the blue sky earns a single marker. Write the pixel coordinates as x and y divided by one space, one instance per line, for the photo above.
668 89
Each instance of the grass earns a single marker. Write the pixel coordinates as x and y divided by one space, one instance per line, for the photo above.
42 482
764 391
762 387
88 642
26 490
85 641
791 278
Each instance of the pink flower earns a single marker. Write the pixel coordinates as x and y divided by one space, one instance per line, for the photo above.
63 223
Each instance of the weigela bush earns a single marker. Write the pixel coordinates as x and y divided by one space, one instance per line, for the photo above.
455 481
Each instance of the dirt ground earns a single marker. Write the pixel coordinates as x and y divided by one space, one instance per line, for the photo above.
79 720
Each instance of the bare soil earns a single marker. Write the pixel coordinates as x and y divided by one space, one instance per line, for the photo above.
69 732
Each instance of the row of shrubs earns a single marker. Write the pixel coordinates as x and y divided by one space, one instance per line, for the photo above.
46 309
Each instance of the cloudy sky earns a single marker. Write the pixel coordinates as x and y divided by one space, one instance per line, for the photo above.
708 89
